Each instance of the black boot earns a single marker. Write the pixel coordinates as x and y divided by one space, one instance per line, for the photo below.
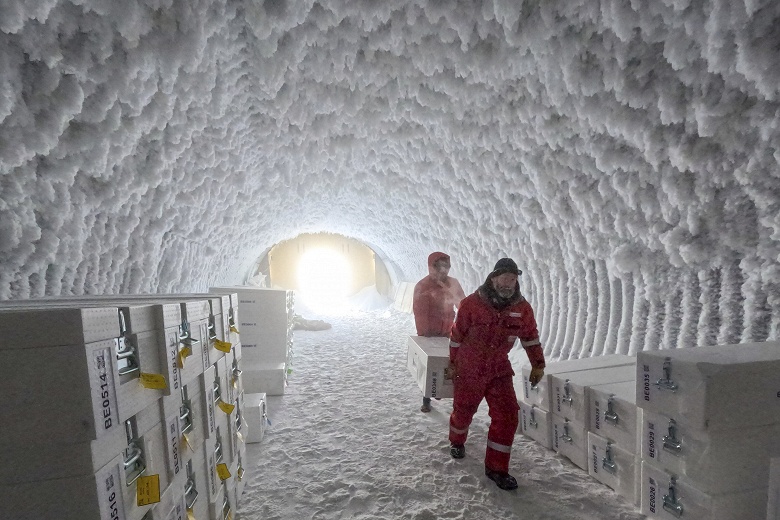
458 451
503 480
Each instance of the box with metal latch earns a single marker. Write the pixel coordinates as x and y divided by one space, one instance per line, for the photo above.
540 394
215 453
668 496
255 416
209 393
427 359
235 379
570 439
568 389
614 466
52 460
223 507
714 462
188 408
712 388
98 496
269 378
536 424
614 413
237 426
79 390
28 324
184 493
140 323
106 494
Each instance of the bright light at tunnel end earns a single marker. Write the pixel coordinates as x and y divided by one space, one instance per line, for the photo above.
324 281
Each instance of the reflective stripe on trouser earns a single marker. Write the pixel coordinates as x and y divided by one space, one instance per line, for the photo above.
503 410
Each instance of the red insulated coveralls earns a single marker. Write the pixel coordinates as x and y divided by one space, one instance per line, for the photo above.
434 301
479 346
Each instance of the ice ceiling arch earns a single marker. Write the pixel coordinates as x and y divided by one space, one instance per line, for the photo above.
625 152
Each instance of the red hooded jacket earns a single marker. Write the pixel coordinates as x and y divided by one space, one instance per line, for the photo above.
483 335
434 301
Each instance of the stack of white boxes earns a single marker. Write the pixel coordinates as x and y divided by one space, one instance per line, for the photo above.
613 437
570 410
426 359
709 431
584 409
109 394
266 328
535 402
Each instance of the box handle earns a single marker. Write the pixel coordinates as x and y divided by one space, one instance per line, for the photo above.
671 504
610 415
566 393
532 422
566 437
607 463
666 382
671 443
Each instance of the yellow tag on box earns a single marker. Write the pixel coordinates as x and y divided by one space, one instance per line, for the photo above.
153 381
190 515
187 442
234 329
223 346
223 471
148 491
225 407
184 354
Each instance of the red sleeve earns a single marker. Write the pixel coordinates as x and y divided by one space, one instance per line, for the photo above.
529 338
459 329
420 306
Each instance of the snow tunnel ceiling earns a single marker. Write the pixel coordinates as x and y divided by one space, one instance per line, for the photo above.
624 152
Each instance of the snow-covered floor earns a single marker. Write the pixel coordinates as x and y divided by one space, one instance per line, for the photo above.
347 440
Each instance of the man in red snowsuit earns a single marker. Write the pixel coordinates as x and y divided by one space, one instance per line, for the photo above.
488 324
435 298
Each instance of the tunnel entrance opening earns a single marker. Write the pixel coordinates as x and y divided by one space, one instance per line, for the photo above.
330 273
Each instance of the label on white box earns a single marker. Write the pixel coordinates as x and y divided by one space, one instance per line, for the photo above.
173 443
172 360
104 404
110 493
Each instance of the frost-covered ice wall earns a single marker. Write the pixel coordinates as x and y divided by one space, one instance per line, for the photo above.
625 152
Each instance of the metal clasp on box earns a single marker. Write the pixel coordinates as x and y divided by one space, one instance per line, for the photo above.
671 504
190 490
126 353
236 371
134 462
566 393
226 512
607 463
671 443
666 382
185 411
566 437
231 319
610 415
212 327
532 420
239 418
185 335
218 447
